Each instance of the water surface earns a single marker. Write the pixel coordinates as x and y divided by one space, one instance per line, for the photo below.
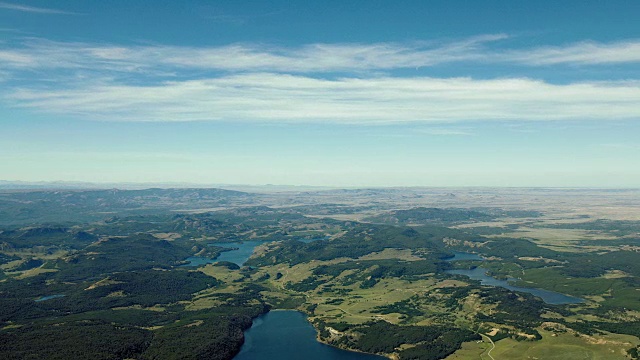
287 335
550 297
241 253
238 253
49 297
198 261
243 250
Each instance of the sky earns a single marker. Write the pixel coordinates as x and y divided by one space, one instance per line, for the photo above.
326 93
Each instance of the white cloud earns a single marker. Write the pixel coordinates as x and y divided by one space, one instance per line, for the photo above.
277 84
32 9
245 57
16 58
312 58
583 53
276 97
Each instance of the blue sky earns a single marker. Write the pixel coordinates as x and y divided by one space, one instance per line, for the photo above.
375 93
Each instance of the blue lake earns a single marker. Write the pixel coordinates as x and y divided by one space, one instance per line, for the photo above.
49 297
550 297
240 255
198 261
287 335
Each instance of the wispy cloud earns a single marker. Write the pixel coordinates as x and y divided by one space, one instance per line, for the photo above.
16 59
246 57
287 98
290 84
10 30
584 53
312 58
33 9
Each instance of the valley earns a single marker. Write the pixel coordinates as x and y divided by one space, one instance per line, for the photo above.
380 271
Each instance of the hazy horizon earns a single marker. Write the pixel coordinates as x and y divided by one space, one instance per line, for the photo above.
86 185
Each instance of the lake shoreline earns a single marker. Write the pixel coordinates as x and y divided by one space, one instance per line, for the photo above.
548 296
304 322
320 340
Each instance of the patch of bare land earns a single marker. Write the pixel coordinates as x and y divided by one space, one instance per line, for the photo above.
34 272
103 282
167 236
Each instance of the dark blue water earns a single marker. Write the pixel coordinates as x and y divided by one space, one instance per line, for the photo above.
239 256
284 335
457 255
198 261
45 298
550 297
244 250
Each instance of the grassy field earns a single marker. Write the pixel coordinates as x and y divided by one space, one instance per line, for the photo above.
359 303
559 239
561 347
471 351
351 303
203 299
565 347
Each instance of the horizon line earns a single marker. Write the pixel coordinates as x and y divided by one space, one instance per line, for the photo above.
92 185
